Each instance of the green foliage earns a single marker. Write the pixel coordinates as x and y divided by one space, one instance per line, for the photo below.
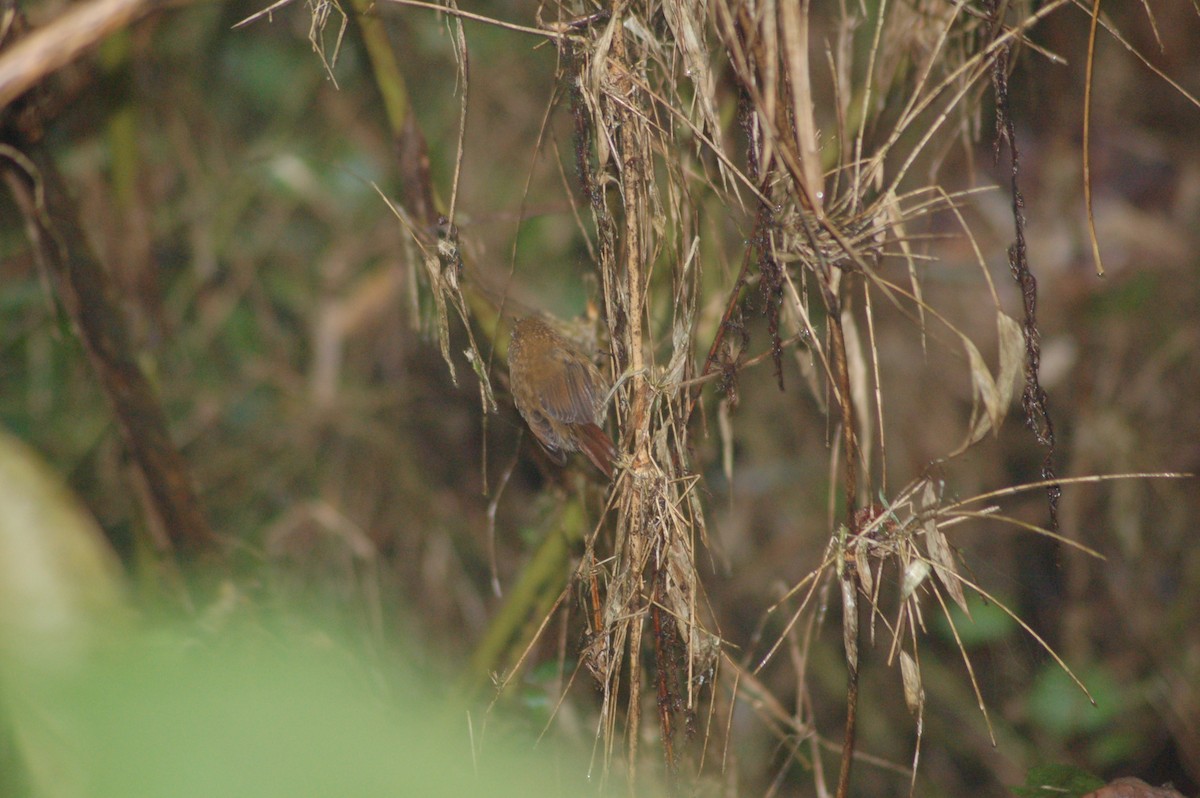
988 623
1062 781
226 180
271 715
59 582
1057 706
267 705
1133 296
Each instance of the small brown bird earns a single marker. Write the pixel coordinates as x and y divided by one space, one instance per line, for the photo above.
560 394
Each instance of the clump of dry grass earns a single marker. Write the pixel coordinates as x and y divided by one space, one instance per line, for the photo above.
828 241
826 193
806 146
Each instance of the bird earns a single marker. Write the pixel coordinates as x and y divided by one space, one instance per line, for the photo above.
560 393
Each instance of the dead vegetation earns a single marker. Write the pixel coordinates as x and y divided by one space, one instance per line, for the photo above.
770 195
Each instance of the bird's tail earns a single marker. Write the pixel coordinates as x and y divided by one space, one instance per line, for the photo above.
598 447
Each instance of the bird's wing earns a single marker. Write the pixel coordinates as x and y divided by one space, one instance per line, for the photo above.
573 397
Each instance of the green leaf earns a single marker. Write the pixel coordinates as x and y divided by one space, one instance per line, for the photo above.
61 598
1061 781
987 623
60 584
1057 705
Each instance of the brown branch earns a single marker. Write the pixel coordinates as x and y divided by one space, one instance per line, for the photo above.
83 289
841 376
1033 399
760 241
851 733
731 304
663 669
412 152
82 286
45 51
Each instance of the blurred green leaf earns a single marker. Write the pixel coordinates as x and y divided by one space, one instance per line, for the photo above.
1126 298
268 73
987 624
1057 705
1117 744
1063 781
250 713
61 596
59 581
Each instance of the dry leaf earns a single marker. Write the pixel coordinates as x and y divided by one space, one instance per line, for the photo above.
916 573
1012 359
984 392
850 622
863 564
994 394
940 553
860 382
910 673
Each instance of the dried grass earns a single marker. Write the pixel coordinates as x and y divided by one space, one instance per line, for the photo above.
827 188
829 194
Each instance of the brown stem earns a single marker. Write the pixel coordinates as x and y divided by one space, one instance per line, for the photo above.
662 675
731 305
1034 400
841 375
25 64
848 741
82 286
635 697
412 151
